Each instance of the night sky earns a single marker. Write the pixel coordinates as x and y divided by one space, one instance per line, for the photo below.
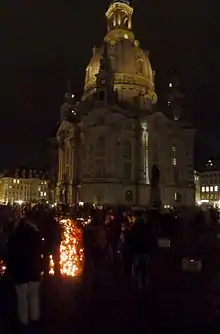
44 45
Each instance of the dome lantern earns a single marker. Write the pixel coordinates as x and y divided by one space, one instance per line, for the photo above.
119 15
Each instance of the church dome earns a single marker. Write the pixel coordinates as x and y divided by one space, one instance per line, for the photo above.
132 70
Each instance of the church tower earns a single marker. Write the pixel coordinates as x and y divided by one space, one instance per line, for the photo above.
110 141
67 139
105 78
176 99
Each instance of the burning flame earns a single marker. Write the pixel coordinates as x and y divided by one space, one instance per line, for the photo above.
71 251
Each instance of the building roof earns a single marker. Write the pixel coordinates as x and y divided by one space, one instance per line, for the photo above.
25 173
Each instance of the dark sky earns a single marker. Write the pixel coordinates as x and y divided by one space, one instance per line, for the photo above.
44 44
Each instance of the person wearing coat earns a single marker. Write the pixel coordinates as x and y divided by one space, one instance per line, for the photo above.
25 266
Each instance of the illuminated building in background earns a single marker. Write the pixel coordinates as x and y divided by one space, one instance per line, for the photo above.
24 186
210 183
110 140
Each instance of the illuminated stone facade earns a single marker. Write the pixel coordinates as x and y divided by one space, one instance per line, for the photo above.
24 186
109 141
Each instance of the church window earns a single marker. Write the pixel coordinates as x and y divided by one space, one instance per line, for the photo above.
127 152
100 168
140 66
100 157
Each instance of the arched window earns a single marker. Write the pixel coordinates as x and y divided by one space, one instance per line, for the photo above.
140 66
127 150
100 157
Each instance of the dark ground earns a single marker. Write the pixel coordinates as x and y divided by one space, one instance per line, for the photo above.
176 303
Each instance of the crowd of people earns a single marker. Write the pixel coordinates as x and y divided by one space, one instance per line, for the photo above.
124 240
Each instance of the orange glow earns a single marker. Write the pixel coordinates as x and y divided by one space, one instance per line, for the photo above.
71 251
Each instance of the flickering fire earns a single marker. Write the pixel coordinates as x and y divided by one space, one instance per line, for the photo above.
71 251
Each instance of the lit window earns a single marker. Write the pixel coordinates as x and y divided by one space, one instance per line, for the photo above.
126 36
175 196
45 194
169 103
207 189
41 193
174 161
216 188
203 189
14 181
39 188
170 85
211 188
45 182
18 181
174 148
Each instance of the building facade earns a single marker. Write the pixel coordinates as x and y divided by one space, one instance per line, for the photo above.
24 186
110 140
210 183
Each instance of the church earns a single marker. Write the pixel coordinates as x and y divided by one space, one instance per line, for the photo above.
109 141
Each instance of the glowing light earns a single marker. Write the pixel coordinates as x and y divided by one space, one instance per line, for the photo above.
71 250
2 268
19 202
